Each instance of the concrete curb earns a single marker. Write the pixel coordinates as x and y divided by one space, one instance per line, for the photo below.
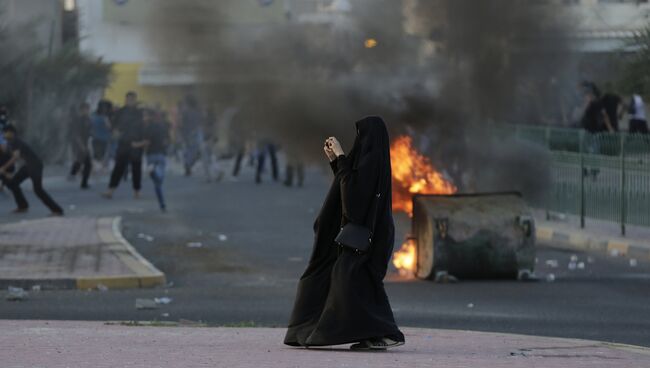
143 275
583 241
146 274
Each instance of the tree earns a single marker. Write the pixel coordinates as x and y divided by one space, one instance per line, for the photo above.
636 68
40 89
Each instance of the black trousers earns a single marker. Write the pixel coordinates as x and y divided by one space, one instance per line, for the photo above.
85 162
123 158
261 160
36 175
638 126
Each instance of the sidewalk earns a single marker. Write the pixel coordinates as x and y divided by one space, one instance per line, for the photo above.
597 236
69 253
93 344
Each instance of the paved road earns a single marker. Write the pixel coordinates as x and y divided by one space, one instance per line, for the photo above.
250 276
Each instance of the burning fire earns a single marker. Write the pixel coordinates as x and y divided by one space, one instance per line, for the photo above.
404 259
413 173
370 43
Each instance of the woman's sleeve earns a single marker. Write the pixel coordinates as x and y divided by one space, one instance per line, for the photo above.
333 164
357 185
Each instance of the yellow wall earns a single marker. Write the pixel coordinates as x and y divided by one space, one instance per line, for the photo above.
125 79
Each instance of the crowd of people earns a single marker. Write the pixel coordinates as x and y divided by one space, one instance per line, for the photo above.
124 140
603 112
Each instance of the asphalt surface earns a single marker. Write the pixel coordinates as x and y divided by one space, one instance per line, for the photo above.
255 241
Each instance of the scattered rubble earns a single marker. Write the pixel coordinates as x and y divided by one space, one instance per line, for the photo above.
163 300
146 237
145 304
16 294
552 263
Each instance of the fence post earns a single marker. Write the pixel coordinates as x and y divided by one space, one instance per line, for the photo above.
623 185
582 179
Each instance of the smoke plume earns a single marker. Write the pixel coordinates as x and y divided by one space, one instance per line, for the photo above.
441 70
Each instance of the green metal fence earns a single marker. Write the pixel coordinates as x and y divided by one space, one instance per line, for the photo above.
604 176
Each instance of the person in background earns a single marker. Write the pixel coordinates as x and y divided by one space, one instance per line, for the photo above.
156 138
32 168
191 123
101 132
638 121
265 148
4 120
5 153
614 107
295 169
80 126
208 154
595 121
129 132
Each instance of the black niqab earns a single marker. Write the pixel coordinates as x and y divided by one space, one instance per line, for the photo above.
341 297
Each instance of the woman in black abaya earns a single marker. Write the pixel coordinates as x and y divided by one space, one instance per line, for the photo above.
341 297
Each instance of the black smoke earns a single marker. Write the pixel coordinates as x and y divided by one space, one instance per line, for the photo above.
469 65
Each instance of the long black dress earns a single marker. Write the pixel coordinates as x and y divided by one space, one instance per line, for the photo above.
341 297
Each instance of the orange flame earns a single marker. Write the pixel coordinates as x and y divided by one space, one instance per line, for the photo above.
404 259
413 173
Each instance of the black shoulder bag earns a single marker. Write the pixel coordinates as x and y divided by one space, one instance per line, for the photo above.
358 237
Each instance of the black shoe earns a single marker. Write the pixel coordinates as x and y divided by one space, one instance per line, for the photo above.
376 344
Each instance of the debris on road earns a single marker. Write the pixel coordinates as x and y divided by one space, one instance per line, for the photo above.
145 304
194 245
552 263
633 262
163 300
16 294
223 237
146 237
72 207
470 305
443 277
